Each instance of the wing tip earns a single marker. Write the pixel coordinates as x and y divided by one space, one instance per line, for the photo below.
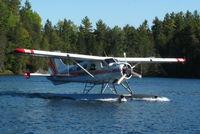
27 75
19 50
181 60
23 51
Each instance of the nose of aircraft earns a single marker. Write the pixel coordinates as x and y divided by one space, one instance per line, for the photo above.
127 70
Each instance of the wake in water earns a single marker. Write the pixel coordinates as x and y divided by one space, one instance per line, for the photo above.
157 99
87 97
33 95
81 97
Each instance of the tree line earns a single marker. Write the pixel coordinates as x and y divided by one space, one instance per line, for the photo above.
177 35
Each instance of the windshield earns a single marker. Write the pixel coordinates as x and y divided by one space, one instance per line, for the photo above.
111 60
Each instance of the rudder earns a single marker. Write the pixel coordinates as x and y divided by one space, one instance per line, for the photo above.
56 66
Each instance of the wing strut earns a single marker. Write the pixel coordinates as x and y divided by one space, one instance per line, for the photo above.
84 69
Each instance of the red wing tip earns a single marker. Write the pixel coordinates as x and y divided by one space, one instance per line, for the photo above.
27 51
18 50
27 75
181 60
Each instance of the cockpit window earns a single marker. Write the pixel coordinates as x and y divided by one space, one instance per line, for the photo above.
85 66
78 68
111 60
93 67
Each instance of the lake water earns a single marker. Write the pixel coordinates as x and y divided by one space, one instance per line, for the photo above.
26 115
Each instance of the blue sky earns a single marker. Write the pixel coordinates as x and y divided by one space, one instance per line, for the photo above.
112 12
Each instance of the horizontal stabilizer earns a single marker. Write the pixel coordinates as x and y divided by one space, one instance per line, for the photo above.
28 75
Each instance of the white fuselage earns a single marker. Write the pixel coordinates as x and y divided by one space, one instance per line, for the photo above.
102 72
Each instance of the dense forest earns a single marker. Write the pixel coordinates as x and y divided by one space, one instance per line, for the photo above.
177 35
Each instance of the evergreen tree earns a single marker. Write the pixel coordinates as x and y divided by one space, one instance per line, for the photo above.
177 35
100 37
86 36
116 42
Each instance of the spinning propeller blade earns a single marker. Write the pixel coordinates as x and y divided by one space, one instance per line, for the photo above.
136 74
127 75
121 79
125 56
123 76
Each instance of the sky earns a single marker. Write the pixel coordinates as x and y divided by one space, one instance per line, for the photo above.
112 12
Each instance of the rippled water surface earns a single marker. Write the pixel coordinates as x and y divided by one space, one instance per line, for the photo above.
30 115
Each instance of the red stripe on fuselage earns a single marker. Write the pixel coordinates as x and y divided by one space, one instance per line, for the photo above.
76 74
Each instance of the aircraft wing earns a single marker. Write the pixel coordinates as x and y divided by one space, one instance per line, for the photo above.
49 54
151 60
80 57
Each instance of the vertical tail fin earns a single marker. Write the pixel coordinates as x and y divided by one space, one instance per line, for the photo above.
56 66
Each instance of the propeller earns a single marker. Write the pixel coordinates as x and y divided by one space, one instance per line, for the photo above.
136 74
127 71
125 57
121 79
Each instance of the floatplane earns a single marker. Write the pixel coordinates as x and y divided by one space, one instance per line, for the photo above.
94 70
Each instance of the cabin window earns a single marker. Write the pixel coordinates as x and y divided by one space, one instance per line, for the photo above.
111 60
102 64
85 66
78 68
71 69
93 67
